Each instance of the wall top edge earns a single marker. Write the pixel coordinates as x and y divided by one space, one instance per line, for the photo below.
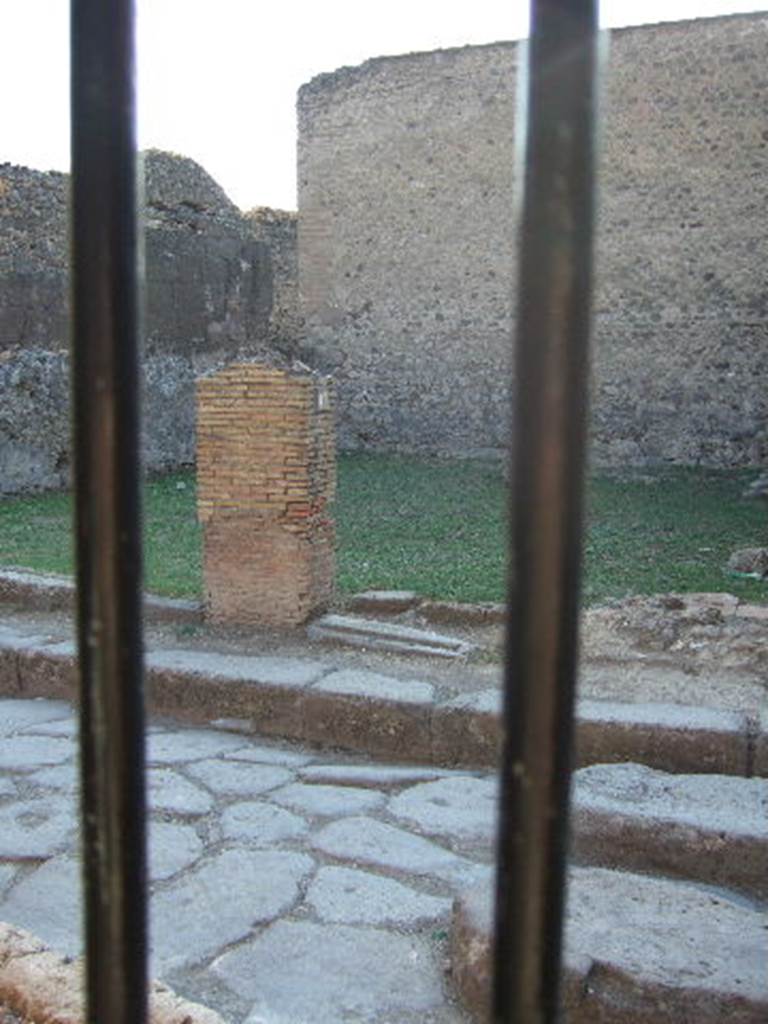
349 75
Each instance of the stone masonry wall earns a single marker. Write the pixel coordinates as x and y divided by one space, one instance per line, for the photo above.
209 292
266 474
407 263
276 229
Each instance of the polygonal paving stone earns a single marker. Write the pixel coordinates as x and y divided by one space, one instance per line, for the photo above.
35 828
324 974
20 714
220 901
270 755
169 791
7 874
344 896
379 776
172 848
65 777
190 745
464 808
25 753
61 727
367 841
239 778
48 903
333 801
260 823
7 786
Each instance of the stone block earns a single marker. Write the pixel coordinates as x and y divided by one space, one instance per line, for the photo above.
673 737
467 730
364 711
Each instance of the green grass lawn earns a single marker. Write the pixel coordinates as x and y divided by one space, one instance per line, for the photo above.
438 527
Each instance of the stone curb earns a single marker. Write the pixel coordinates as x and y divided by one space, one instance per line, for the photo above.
359 711
705 828
38 984
625 975
51 593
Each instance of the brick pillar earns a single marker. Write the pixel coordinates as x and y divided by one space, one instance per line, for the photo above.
266 479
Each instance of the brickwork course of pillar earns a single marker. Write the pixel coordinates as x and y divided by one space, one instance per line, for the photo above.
266 481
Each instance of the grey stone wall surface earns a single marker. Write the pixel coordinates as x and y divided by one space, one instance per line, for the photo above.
277 230
406 245
209 301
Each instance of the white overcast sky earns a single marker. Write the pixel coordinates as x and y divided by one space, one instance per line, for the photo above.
218 78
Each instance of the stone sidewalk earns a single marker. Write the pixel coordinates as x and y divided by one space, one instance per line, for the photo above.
295 886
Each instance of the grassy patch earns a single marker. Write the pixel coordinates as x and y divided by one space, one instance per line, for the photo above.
438 527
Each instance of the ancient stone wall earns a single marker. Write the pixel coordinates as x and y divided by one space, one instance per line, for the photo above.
266 478
276 229
209 286
407 264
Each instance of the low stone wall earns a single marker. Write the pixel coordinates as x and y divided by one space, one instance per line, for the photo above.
210 289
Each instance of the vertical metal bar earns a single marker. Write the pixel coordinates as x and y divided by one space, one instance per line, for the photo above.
548 461
106 421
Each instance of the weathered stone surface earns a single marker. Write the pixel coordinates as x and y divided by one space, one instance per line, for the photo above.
48 903
461 808
35 828
172 847
209 298
713 828
269 691
374 843
260 824
328 973
385 636
345 896
680 311
62 727
638 951
238 777
269 671
262 754
169 791
18 715
7 787
60 776
38 984
24 753
329 801
377 776
190 745
671 737
383 602
7 874
364 711
467 730
220 902
49 671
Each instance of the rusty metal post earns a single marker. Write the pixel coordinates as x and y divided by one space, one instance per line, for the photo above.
550 414
105 259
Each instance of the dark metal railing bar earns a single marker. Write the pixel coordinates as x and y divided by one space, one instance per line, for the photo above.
107 508
549 429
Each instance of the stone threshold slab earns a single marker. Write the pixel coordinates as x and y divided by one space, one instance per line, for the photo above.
311 701
386 636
